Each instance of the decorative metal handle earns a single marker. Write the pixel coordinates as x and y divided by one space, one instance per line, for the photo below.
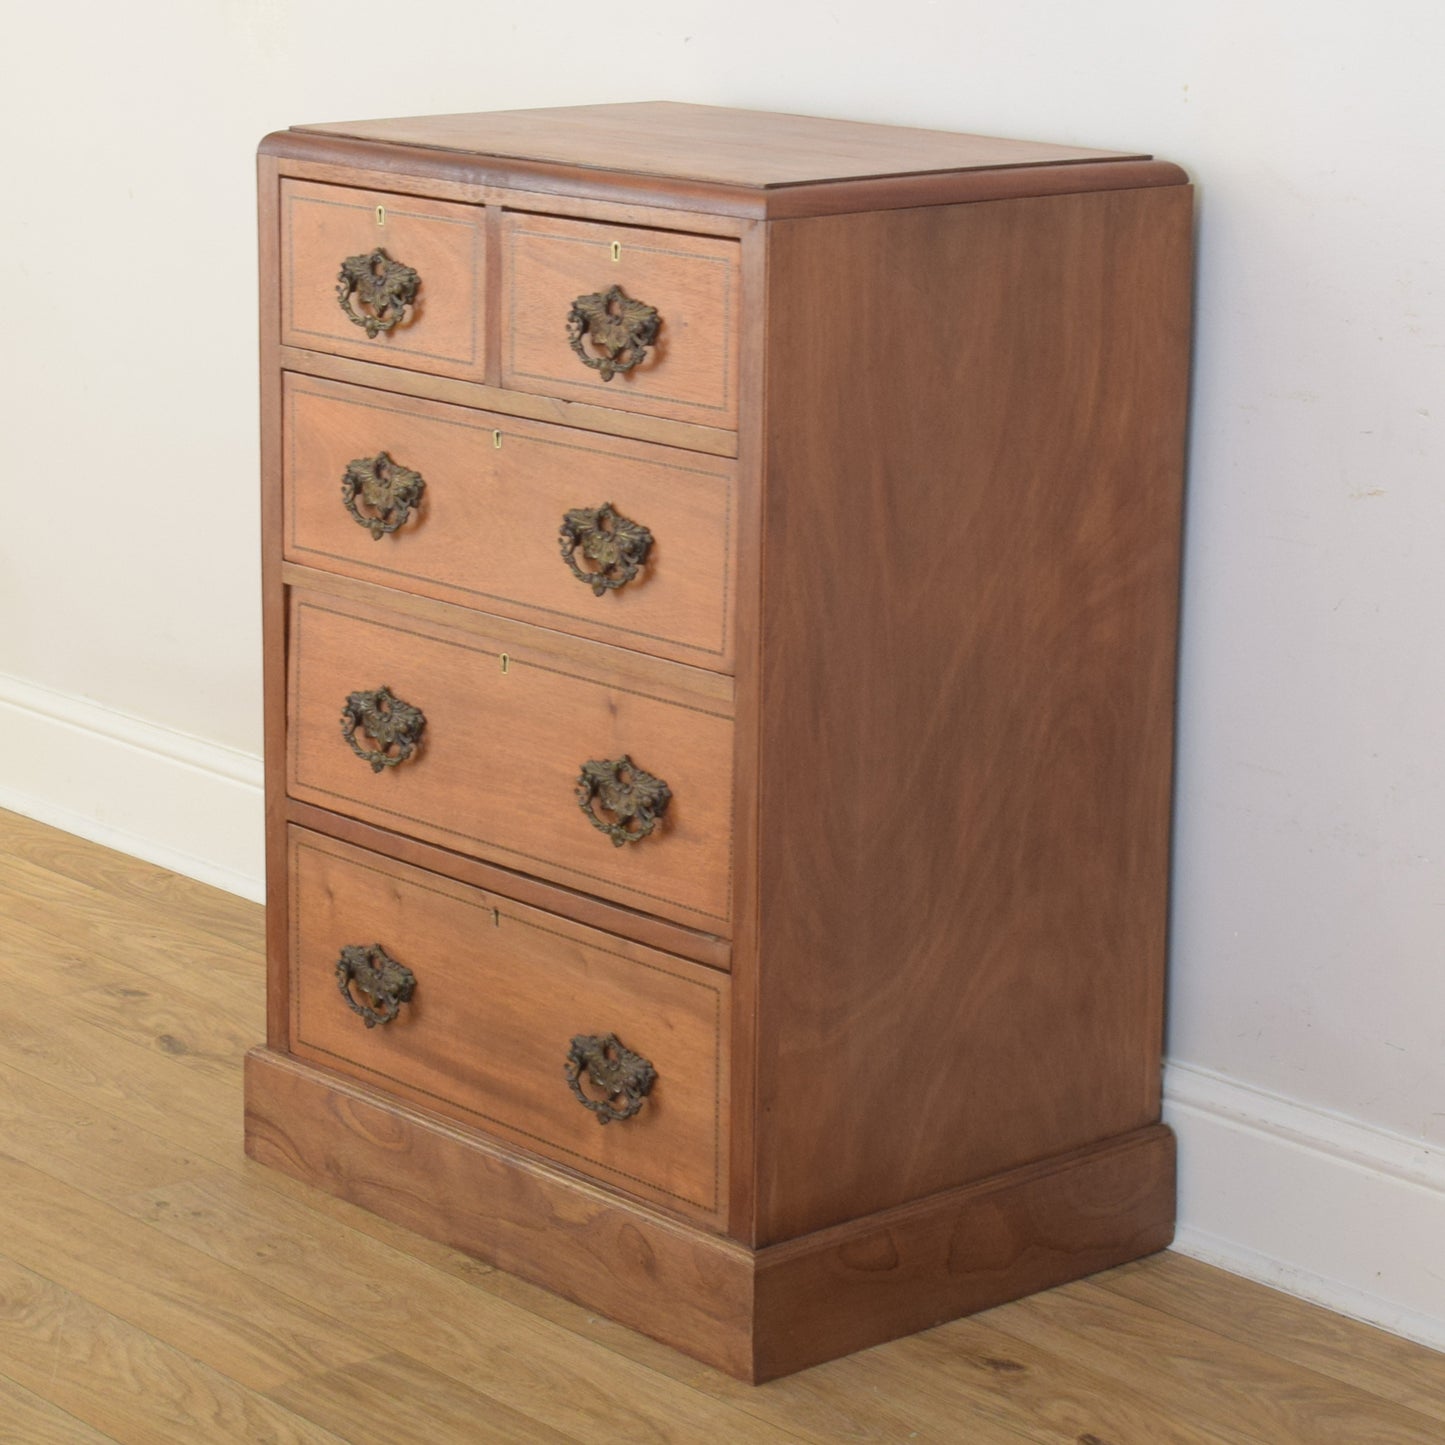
617 1071
636 799
388 721
389 489
619 327
377 975
385 286
616 545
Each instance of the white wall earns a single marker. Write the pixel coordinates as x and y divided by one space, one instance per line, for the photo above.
1308 996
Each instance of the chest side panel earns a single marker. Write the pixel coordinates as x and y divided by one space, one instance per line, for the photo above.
972 492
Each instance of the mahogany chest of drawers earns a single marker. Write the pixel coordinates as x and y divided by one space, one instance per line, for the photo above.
741 552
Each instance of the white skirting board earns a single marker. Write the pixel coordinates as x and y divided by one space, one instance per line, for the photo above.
191 806
1314 1203
1310 1202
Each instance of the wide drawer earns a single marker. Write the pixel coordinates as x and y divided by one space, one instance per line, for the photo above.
466 506
498 993
511 721
674 312
433 320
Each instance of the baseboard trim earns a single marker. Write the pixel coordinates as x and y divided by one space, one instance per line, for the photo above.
1310 1202
175 800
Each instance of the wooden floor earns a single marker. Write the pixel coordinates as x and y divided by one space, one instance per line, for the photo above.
157 1286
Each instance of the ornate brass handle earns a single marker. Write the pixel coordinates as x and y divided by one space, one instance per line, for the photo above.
636 799
620 328
388 721
387 488
384 286
616 545
617 1071
378 976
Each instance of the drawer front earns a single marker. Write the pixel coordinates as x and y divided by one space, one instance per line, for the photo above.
484 529
501 753
498 992
687 371
439 329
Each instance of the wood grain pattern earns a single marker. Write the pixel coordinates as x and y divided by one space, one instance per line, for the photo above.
1253 1399
615 918
747 737
273 595
92 1375
703 207
55 859
38 1422
556 190
963 863
501 990
842 1289
692 1288
496 774
709 143
485 534
516 1356
323 225
691 370
787 1307
116 1378
398 1398
1274 1324
176 1294
710 441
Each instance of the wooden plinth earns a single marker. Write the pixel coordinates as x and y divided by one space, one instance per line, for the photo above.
757 1314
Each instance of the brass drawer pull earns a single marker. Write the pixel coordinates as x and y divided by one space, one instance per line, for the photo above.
388 721
635 799
389 489
615 545
617 1071
379 977
620 328
384 286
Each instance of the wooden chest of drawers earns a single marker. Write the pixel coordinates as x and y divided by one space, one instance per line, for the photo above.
742 554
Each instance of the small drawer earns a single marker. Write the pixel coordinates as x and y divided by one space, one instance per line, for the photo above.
466 507
481 1008
393 279
621 317
513 732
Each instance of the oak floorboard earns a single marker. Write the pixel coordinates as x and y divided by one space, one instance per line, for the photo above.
1248 1397
139 1239
121 1381
219 1315
82 1143
507 1352
148 939
211 910
1272 1323
37 1422
396 1399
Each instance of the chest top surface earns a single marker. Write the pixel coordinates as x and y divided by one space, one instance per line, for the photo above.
748 148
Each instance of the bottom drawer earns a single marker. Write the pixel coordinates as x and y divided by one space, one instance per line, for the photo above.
490 1008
